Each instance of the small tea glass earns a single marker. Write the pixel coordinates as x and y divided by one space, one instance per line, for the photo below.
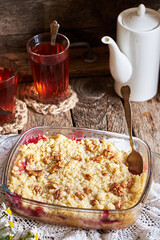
8 89
50 66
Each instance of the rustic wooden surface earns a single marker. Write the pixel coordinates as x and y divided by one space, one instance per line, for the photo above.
80 20
146 119
98 106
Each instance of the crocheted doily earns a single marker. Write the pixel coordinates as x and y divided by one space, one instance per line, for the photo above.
147 226
31 99
19 121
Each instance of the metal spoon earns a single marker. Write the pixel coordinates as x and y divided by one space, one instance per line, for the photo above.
54 27
134 160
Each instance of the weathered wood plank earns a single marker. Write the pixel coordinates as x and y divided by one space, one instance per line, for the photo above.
146 122
36 119
98 106
82 20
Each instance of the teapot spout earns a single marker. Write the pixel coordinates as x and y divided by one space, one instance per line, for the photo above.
120 66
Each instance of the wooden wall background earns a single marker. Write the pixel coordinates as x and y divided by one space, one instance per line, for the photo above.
80 20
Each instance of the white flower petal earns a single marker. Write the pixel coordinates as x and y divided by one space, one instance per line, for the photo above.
33 231
3 205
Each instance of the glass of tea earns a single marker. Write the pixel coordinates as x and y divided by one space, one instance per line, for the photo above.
8 89
50 66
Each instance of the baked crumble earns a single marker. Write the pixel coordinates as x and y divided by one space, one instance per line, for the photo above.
88 173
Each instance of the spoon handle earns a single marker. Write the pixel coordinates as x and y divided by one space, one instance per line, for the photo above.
125 91
54 27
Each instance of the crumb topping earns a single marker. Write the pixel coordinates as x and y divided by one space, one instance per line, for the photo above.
88 173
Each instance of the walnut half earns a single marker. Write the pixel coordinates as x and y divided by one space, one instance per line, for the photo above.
117 189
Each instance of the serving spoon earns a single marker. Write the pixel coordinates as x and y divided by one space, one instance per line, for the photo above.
134 159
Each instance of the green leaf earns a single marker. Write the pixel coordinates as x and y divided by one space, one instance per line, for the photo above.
5 237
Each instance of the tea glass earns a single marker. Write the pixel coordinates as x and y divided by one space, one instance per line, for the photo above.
8 89
50 66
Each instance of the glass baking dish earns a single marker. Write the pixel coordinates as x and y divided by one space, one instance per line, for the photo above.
70 216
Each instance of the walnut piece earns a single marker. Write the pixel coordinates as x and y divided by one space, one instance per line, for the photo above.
106 152
58 157
115 159
58 194
87 190
45 160
52 170
98 158
117 189
130 183
118 205
104 173
60 164
124 183
78 159
29 159
35 173
93 202
88 177
81 196
38 189
53 185
53 154
90 148
68 190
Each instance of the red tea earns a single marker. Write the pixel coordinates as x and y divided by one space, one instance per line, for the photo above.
7 94
50 69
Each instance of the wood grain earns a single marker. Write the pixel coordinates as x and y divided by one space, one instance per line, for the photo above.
146 119
98 106
81 20
36 119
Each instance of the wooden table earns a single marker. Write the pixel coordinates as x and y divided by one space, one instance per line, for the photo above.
99 107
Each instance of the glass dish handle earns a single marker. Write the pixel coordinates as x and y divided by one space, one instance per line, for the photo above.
154 193
6 145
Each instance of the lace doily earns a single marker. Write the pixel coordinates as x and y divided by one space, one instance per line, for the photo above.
19 121
31 99
147 227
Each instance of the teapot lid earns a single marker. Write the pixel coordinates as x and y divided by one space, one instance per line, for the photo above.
141 19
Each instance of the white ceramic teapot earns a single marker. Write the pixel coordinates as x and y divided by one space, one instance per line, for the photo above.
136 59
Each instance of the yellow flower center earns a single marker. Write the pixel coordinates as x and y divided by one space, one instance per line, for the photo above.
11 224
8 210
36 236
10 235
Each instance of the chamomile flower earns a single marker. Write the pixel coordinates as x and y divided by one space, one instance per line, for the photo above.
7 210
35 233
9 224
11 235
